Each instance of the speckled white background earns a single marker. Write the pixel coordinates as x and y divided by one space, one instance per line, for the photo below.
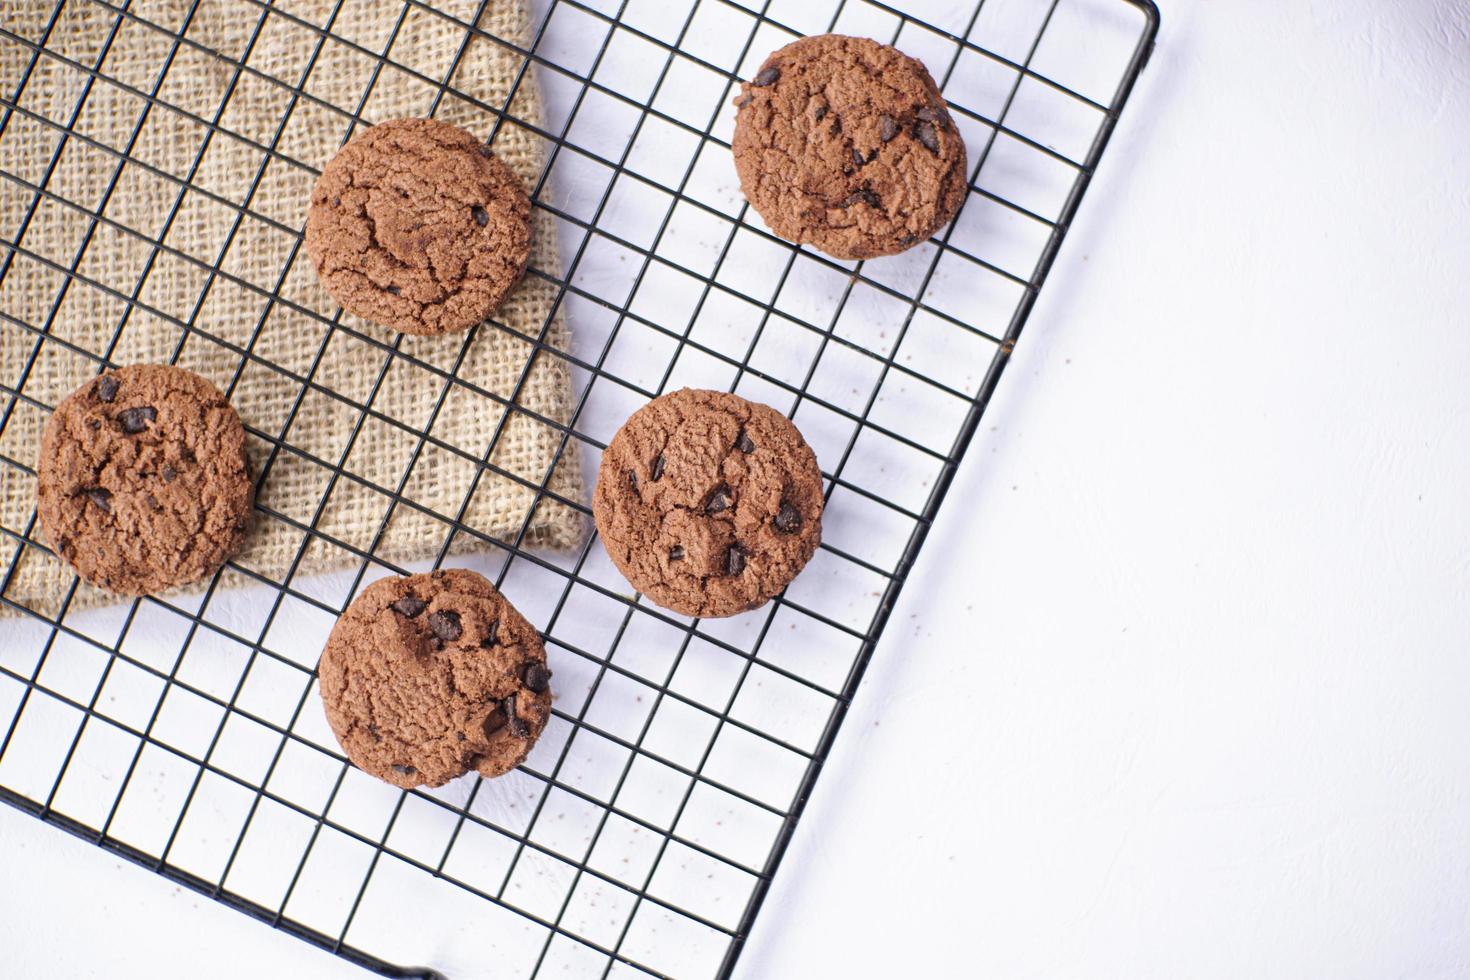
1180 684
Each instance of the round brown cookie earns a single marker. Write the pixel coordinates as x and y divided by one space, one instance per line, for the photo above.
143 483
418 226
707 503
428 677
845 144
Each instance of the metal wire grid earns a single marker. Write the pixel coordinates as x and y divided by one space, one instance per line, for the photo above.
684 804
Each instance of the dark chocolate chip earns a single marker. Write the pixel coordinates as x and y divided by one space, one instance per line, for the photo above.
657 469
676 552
395 290
373 731
482 217
926 134
102 498
821 112
152 500
908 240
446 626
788 519
107 388
459 736
135 420
887 127
718 500
535 676
857 157
169 473
632 481
408 607
734 560
404 770
927 114
485 150
863 195
187 455
495 720
744 444
491 634
93 424
766 76
518 726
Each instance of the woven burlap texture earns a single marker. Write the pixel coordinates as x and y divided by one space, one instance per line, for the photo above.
270 141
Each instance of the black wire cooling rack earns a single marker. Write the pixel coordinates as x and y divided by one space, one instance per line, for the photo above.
643 833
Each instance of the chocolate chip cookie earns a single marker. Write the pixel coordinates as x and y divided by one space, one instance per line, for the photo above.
143 483
418 226
707 503
429 677
845 144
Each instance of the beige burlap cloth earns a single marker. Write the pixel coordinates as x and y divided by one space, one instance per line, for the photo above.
291 375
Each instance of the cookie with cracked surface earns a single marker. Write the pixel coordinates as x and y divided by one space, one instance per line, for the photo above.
707 503
418 226
143 483
845 144
428 677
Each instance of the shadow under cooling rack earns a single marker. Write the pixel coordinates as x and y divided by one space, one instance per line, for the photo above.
185 732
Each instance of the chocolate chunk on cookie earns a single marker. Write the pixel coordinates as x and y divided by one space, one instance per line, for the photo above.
143 483
416 225
428 677
845 144
707 503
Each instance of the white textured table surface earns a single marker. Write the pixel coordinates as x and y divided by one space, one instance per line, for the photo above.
1179 685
